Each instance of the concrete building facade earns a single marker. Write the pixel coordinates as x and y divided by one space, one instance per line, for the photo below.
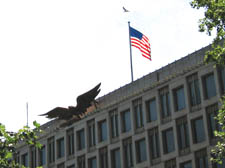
163 120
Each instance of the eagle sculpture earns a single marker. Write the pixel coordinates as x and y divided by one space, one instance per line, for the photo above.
72 113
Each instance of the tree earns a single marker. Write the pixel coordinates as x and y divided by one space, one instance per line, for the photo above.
214 21
9 140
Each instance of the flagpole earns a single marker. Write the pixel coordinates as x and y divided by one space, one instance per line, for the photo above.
131 65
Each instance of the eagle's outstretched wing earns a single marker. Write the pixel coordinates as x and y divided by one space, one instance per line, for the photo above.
58 112
84 101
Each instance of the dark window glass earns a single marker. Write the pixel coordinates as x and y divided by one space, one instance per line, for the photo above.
209 86
42 156
33 157
168 141
194 91
198 130
114 123
170 163
151 110
128 153
103 157
126 121
186 165
165 102
61 165
138 113
154 143
60 148
222 77
103 131
81 139
116 162
70 142
201 159
182 133
179 99
81 161
25 159
71 166
212 123
92 163
141 151
91 133
51 149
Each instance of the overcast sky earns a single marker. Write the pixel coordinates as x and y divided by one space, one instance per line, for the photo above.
53 51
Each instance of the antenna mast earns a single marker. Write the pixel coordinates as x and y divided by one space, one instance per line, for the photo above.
27 113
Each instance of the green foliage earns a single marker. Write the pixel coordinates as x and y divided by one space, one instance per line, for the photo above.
9 140
213 21
219 150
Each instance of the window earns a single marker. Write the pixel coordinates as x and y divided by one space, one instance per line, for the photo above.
168 140
164 102
114 123
182 135
186 165
198 130
193 89
154 143
151 110
212 123
91 133
179 98
51 150
170 163
115 154
24 159
141 151
81 161
138 114
80 139
70 142
61 165
60 148
102 130
42 156
209 86
201 159
92 163
222 79
128 153
103 157
71 166
33 157
126 121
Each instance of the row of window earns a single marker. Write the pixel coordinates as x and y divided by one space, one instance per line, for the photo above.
168 142
201 158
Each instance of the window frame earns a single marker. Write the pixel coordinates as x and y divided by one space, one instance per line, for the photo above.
70 142
177 100
101 130
125 127
141 156
195 134
148 110
165 137
138 113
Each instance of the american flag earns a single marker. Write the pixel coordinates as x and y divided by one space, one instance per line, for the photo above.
141 42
